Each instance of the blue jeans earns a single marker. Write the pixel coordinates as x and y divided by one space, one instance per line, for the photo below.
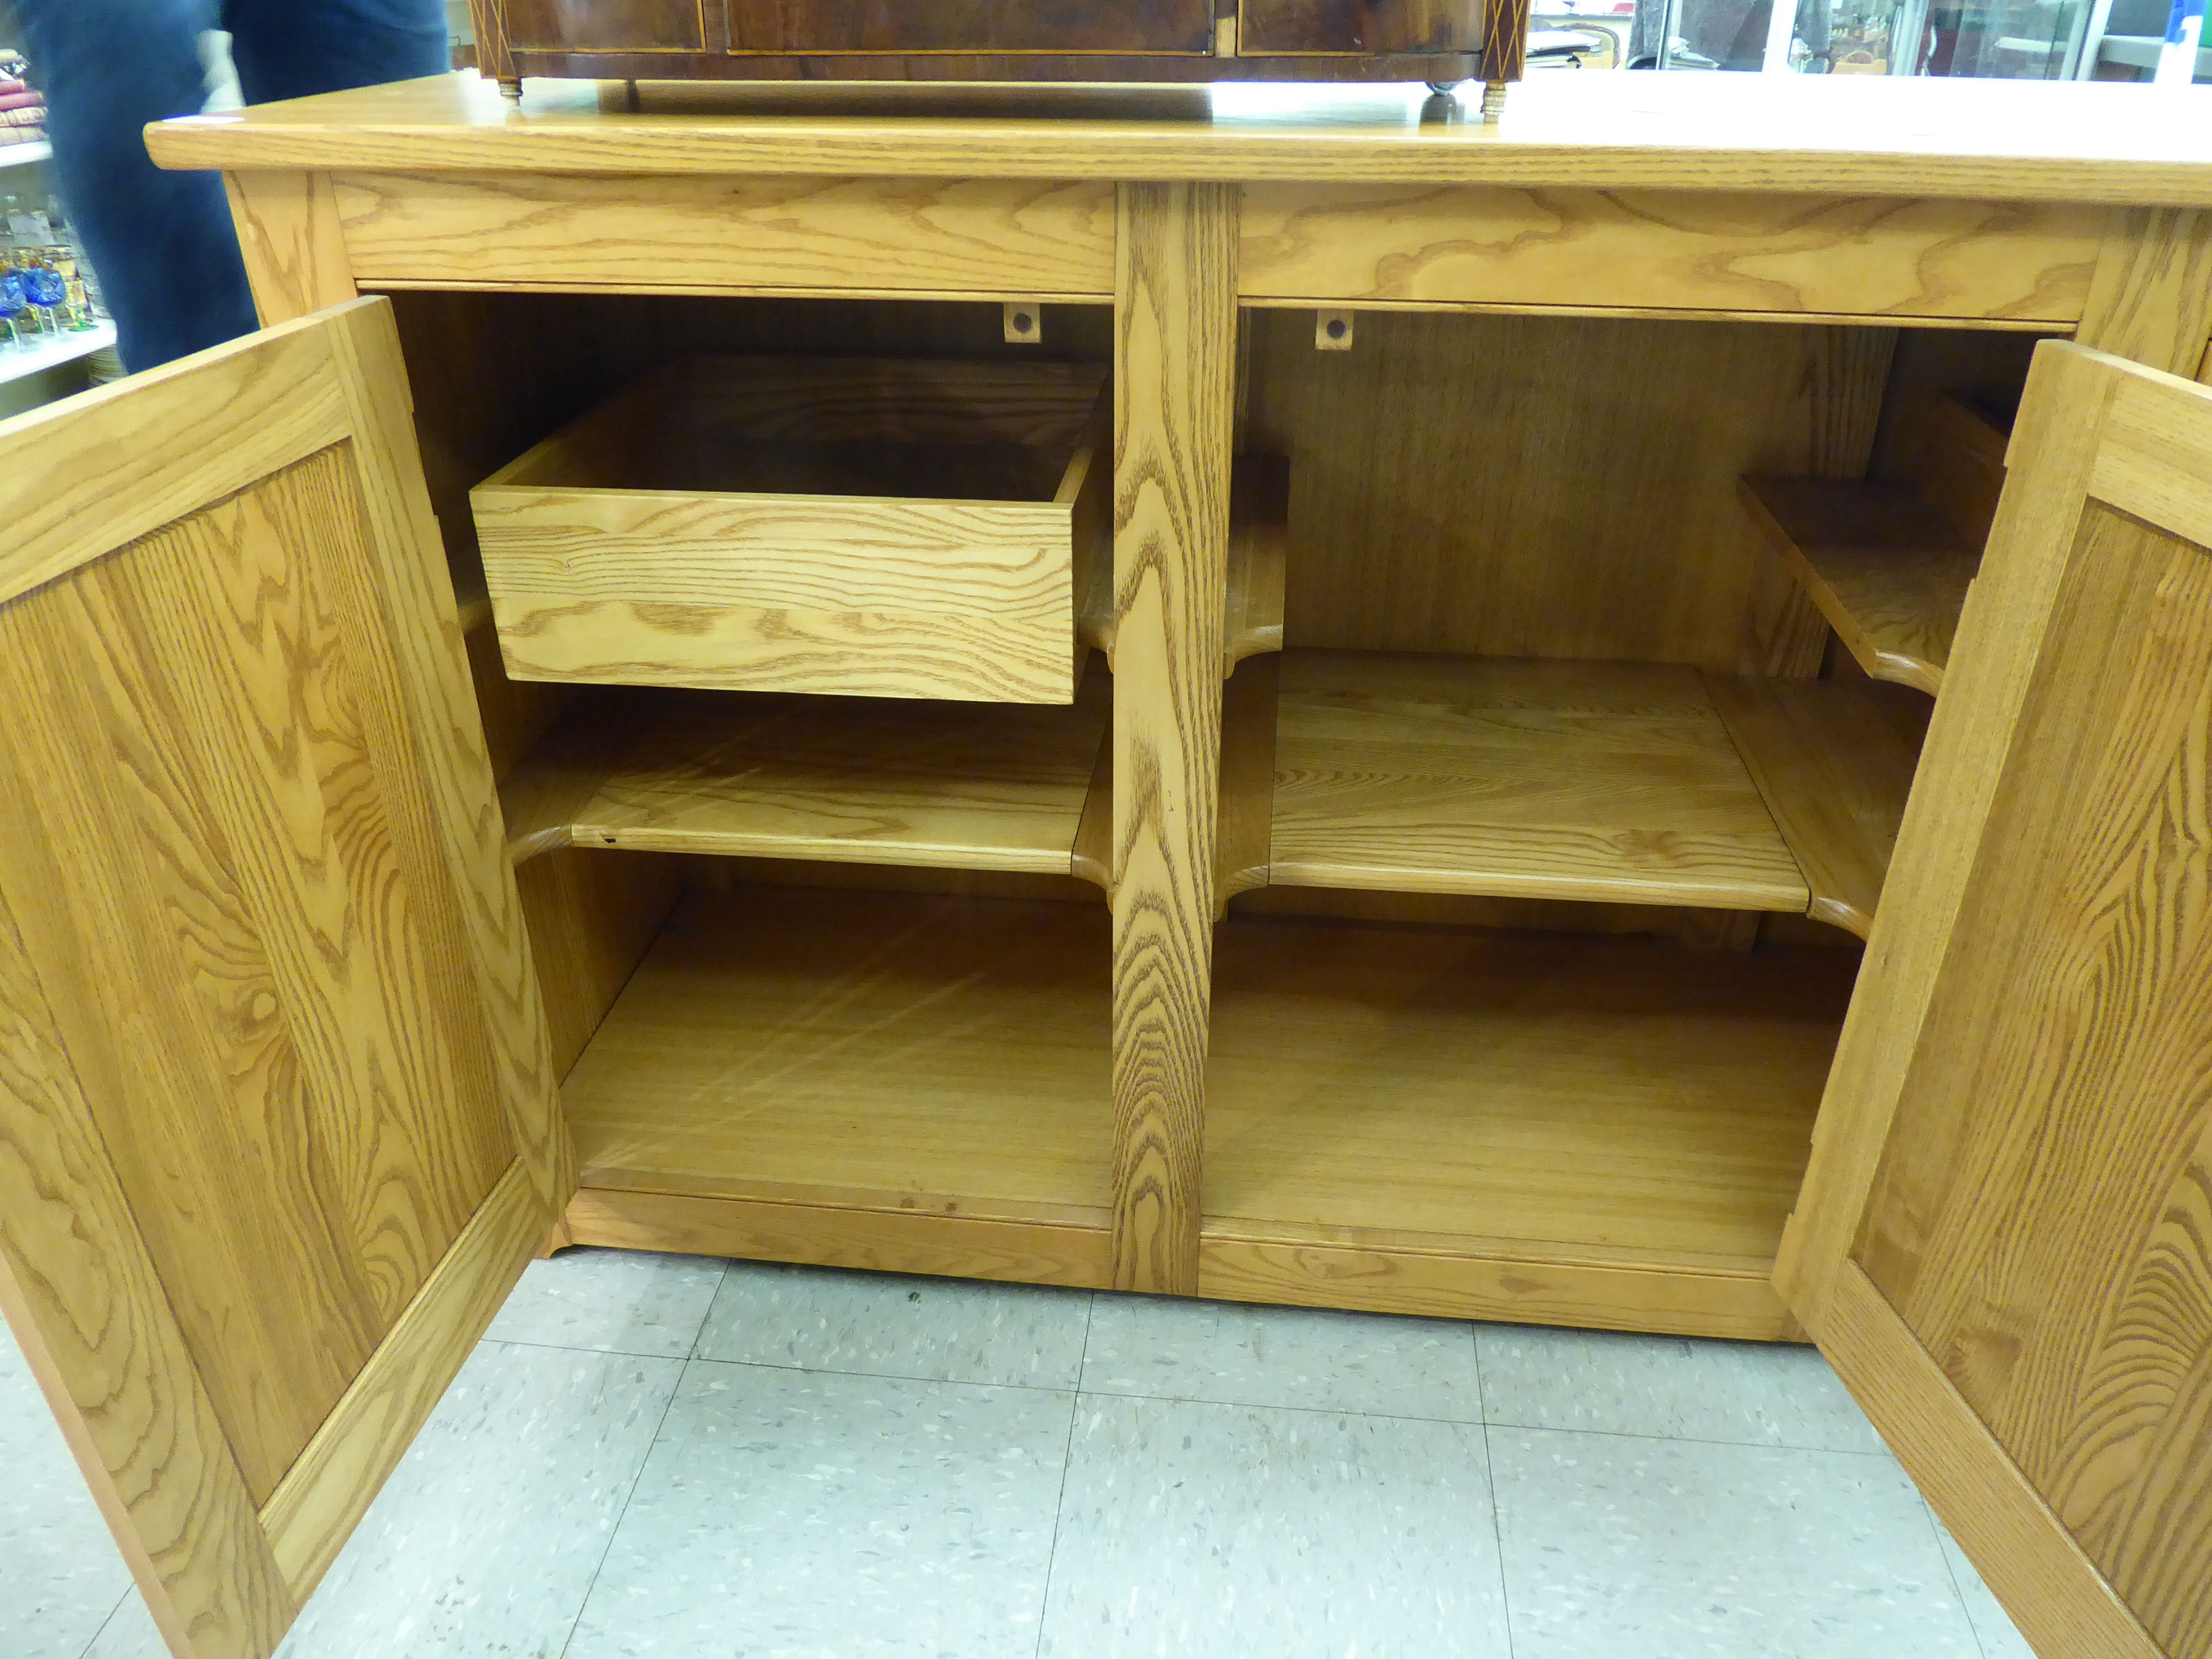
162 243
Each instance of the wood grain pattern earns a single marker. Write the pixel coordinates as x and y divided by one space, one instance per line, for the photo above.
1175 324
2053 1083
1518 777
1960 467
972 786
1833 766
2010 1191
1888 570
1973 730
1702 930
71 500
249 888
1555 488
401 616
853 527
591 918
2151 298
1711 251
242 808
1515 1285
2051 1591
326 1493
873 1240
863 1051
1650 1103
1246 821
295 246
2154 454
1259 558
1989 140
670 235
83 1296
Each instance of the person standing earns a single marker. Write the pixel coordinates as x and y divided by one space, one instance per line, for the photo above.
168 261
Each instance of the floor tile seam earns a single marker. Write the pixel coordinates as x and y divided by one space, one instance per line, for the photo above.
707 1318
1270 1406
114 1612
592 1584
1481 1397
1950 1571
881 1376
1066 1462
567 1347
1696 1440
1497 1531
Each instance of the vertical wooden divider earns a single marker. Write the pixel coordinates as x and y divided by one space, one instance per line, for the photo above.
1175 372
2150 296
293 246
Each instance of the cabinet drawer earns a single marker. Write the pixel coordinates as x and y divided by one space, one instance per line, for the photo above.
1331 26
860 528
977 26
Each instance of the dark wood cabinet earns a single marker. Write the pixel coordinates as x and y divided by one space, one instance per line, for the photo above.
971 25
1301 26
1186 40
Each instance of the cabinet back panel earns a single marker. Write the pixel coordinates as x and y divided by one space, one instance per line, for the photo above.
1551 487
252 975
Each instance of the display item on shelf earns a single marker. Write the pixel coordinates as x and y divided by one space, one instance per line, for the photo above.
22 106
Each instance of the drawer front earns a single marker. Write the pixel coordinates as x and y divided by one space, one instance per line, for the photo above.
862 598
981 26
907 236
1297 28
1808 256
607 25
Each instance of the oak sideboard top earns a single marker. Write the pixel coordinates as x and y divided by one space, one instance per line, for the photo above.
1999 140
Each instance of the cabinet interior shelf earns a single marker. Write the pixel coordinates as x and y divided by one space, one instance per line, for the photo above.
1259 545
1888 563
1619 1102
1889 572
1623 782
1572 1106
973 785
860 1050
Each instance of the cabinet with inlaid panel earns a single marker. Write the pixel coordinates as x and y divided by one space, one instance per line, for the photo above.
728 774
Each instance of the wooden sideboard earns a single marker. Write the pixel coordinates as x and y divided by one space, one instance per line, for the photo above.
1380 812
1088 41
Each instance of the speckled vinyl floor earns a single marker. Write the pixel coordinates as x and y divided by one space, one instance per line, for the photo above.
662 1455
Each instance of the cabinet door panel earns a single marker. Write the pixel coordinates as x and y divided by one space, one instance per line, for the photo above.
275 1116
1291 26
2006 1236
898 25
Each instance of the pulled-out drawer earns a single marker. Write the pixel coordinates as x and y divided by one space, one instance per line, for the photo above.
865 528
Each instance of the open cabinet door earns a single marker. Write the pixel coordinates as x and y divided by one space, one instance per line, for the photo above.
2005 1240
277 1127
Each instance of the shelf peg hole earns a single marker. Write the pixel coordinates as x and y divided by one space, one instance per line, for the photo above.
1332 331
1024 322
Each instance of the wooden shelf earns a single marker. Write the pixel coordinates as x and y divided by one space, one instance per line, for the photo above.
45 351
861 1051
1605 1108
1611 781
866 781
1888 571
1834 761
1259 546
